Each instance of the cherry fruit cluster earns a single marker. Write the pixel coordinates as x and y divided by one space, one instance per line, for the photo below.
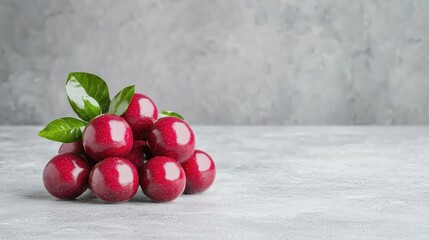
120 144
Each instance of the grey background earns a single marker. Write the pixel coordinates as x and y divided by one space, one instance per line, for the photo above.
223 62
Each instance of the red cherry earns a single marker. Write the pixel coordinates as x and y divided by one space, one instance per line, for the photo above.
76 147
106 136
66 176
141 114
73 147
140 154
200 172
162 179
171 137
114 180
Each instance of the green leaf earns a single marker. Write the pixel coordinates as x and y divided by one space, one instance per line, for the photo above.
170 114
91 107
64 130
122 100
80 86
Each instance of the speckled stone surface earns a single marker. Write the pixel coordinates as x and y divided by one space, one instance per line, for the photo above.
262 62
272 183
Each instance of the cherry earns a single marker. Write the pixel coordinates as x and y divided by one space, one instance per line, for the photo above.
76 147
141 114
171 137
106 136
66 176
140 154
114 179
162 179
73 147
200 172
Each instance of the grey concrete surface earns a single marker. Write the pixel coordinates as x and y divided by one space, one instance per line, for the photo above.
223 62
272 183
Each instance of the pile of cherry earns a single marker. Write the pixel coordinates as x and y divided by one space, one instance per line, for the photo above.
126 144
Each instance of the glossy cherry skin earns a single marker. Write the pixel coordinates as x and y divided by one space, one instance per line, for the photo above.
141 114
107 136
162 179
114 180
171 137
73 147
76 147
66 176
200 172
140 154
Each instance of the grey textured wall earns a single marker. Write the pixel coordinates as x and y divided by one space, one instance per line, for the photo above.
223 62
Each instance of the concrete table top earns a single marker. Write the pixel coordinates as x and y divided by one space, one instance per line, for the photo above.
272 183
